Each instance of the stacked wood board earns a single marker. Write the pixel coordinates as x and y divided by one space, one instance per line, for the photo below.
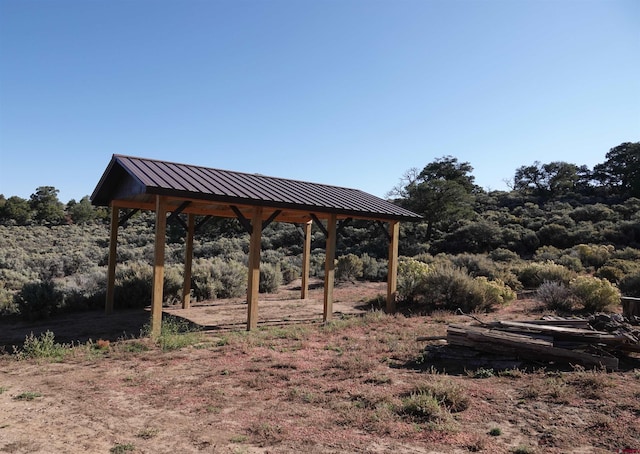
556 339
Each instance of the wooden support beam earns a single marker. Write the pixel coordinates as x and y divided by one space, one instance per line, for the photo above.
253 286
329 267
383 230
188 260
319 223
270 219
111 269
342 224
244 221
306 261
158 266
392 267
174 215
202 223
127 216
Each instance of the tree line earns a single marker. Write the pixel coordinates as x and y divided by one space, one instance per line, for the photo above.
558 222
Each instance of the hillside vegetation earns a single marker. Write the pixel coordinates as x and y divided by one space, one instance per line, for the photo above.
564 230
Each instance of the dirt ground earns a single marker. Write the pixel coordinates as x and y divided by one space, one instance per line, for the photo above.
296 385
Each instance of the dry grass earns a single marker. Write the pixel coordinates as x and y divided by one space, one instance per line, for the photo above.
349 386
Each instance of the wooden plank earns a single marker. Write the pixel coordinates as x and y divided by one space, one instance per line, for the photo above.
158 266
561 332
630 307
329 268
573 322
306 261
392 267
253 286
495 341
111 269
188 260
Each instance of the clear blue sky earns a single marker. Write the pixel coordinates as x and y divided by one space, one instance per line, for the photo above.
344 92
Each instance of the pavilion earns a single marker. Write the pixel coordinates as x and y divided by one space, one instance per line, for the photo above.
133 184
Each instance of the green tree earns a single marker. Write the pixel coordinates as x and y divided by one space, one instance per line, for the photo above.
81 212
46 206
16 210
443 193
551 180
620 173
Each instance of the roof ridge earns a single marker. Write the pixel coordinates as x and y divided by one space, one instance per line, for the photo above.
237 172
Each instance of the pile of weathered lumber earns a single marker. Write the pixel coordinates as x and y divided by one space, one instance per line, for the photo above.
553 339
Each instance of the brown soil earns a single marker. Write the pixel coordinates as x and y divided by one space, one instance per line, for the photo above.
295 385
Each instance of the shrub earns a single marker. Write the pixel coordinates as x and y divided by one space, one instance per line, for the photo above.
495 292
373 269
547 254
630 285
231 276
503 255
134 283
556 296
594 255
411 275
290 272
595 294
452 288
38 300
421 406
476 265
42 346
610 273
270 278
349 268
532 275
7 302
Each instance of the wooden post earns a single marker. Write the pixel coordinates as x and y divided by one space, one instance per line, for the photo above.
329 268
392 273
111 269
158 266
253 286
188 260
630 307
306 261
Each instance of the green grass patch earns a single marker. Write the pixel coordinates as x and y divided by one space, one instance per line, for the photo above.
29 395
43 346
122 448
175 334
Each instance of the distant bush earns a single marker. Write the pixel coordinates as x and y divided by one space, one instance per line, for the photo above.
532 275
630 285
290 272
555 296
547 254
231 277
610 273
316 263
373 269
7 303
594 255
38 300
349 268
595 294
476 265
270 278
134 282
503 255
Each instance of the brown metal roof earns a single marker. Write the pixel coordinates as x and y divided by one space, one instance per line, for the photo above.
136 179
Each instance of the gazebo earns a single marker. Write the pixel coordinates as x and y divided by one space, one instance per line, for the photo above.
169 189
